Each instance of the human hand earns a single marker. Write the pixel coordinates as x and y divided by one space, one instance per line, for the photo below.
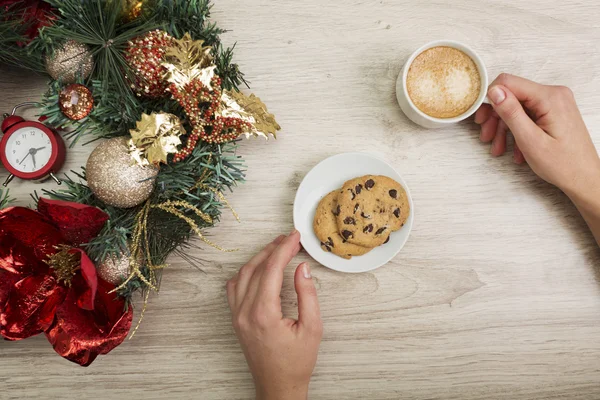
281 352
548 128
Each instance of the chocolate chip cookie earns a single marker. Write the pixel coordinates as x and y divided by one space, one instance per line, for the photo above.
371 207
326 229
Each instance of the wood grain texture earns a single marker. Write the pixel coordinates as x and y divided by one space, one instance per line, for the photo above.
497 292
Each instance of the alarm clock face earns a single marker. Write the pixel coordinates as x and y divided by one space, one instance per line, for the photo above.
28 149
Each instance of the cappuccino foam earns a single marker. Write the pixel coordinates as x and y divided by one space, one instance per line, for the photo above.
443 82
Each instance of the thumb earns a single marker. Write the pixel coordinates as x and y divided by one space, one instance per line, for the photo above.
509 109
309 314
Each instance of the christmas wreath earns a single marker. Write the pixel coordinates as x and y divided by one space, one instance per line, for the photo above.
152 79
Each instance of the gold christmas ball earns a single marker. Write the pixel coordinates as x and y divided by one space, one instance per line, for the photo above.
132 9
76 101
70 61
114 269
115 179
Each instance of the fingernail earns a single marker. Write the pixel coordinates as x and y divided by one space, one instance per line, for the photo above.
306 271
496 95
294 232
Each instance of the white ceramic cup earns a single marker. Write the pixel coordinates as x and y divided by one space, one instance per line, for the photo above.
418 116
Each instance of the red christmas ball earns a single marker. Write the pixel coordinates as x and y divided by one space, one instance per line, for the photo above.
144 55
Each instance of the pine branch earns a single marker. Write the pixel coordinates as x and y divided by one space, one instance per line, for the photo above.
4 198
97 24
187 16
228 71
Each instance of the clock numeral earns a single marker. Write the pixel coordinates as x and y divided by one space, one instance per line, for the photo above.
18 142
14 152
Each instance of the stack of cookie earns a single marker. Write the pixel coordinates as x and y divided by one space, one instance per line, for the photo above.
361 216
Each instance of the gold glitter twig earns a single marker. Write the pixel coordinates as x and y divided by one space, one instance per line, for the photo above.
141 314
171 208
223 200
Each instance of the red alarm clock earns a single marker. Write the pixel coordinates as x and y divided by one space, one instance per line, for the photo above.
29 149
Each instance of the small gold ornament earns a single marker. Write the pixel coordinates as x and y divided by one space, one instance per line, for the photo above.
70 61
132 9
114 179
250 109
114 269
154 137
186 60
76 101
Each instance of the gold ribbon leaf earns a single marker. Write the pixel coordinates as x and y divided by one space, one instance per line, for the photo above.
154 137
189 59
250 109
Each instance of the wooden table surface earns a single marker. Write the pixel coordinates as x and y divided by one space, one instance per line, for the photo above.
496 294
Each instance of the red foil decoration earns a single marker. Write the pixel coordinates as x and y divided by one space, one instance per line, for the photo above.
82 320
33 14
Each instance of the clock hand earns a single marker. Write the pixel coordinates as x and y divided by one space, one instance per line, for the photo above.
39 148
25 158
33 158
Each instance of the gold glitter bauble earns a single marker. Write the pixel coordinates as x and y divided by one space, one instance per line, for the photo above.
114 179
114 269
76 101
70 61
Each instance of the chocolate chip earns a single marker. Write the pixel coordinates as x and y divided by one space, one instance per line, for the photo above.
362 214
352 193
349 221
380 231
369 184
381 210
393 193
386 240
336 212
358 188
328 248
368 228
397 212
330 242
356 208
347 234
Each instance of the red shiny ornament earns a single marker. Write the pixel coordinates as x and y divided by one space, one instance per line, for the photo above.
81 320
76 101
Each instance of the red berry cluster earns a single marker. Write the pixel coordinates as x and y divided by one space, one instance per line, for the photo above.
220 129
144 56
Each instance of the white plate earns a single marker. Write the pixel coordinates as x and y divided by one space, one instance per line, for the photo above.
329 175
